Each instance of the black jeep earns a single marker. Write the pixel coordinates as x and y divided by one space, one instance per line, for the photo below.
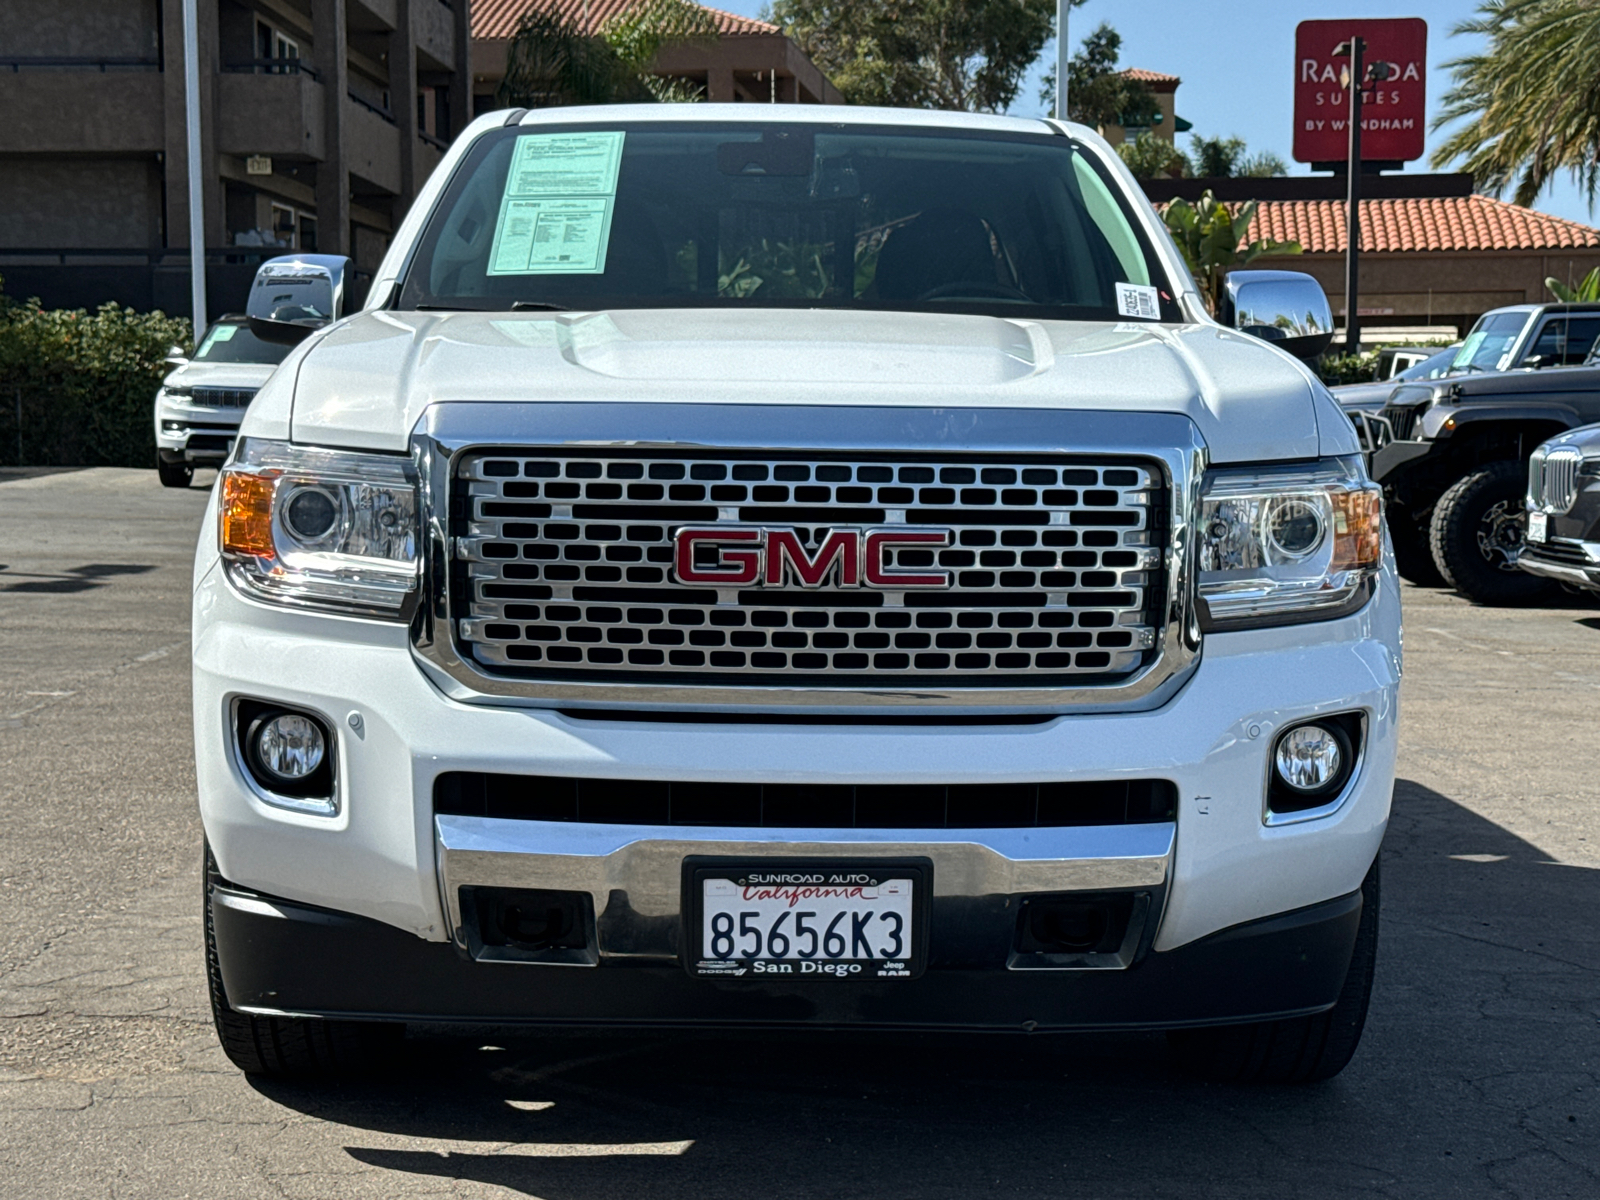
1452 455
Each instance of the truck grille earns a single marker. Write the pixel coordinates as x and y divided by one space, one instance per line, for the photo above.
1403 420
1553 479
221 397
564 568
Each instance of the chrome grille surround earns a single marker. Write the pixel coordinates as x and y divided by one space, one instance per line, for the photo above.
469 546
1553 478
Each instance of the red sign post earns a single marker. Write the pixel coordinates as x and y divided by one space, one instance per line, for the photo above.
1394 116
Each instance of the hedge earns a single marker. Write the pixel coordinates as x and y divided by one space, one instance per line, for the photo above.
83 383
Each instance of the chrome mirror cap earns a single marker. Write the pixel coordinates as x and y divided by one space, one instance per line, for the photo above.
1288 308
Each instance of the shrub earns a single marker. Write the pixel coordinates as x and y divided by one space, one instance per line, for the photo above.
85 383
1348 368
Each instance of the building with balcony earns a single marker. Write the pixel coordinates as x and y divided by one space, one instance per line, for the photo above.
747 60
321 119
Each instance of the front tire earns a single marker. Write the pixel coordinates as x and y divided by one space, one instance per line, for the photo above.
1413 555
174 474
1477 532
1300 1049
289 1047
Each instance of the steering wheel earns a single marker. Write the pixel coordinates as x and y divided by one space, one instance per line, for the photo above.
1000 291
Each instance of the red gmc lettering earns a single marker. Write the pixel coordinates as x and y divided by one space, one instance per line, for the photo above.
735 568
841 545
880 542
749 556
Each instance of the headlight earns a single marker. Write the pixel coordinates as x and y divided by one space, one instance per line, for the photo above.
321 528
1279 546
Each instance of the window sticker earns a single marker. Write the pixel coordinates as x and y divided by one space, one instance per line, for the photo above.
555 216
1136 300
224 333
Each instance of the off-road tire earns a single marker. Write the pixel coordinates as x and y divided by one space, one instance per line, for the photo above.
1475 527
174 475
290 1047
1301 1049
1413 552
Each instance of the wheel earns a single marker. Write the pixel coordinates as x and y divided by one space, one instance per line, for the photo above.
1476 533
289 1047
1413 556
1300 1049
174 475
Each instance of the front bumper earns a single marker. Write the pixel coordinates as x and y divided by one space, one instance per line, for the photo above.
195 434
1574 563
384 856
280 958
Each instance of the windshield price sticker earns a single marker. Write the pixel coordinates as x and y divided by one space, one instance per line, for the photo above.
812 923
1138 300
555 215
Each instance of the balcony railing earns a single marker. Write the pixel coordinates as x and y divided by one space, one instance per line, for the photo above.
269 66
102 65
437 143
373 108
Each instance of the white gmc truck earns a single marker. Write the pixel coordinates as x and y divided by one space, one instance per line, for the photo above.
777 566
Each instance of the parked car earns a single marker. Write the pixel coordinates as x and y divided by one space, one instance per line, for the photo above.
1452 456
1530 336
199 405
1563 539
754 566
1370 397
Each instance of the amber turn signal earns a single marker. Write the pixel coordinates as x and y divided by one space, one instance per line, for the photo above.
247 515
1357 529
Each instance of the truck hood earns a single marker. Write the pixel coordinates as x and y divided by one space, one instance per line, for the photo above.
364 383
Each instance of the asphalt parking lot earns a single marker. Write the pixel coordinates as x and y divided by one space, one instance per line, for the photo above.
1479 1074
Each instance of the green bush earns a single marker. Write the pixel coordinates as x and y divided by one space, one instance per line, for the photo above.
85 383
1348 368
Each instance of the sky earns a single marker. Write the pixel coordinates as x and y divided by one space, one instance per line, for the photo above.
1237 65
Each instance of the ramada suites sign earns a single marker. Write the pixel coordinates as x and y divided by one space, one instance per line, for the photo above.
1394 109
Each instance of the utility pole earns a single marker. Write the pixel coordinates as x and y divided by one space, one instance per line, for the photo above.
1062 8
197 201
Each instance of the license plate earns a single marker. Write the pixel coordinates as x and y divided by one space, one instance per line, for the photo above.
1538 526
824 921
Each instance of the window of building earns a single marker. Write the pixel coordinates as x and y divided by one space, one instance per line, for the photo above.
274 45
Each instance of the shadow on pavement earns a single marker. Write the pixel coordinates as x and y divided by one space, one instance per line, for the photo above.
1478 1075
77 579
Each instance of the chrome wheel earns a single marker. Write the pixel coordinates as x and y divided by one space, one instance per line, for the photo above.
1500 535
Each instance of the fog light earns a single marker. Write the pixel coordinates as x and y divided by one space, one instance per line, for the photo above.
289 747
1311 759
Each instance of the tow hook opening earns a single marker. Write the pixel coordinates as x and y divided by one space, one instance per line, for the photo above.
1094 931
529 925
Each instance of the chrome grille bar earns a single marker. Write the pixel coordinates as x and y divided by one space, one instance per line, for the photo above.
1554 479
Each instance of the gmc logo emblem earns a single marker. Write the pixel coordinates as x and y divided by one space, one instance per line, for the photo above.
748 556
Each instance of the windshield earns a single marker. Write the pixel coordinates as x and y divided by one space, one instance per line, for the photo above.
743 215
1431 367
232 342
1488 342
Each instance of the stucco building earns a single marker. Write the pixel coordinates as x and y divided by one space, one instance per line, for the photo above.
320 121
748 60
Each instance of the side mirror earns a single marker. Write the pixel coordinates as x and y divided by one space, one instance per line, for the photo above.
1288 308
176 357
295 295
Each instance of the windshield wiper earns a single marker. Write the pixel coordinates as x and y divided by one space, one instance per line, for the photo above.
516 306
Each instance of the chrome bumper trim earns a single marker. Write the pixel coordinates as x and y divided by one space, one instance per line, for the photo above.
1170 442
635 873
1584 577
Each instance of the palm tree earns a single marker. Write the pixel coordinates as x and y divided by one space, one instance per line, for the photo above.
1531 101
552 61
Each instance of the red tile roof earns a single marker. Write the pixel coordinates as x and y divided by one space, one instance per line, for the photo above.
1140 75
499 18
1439 224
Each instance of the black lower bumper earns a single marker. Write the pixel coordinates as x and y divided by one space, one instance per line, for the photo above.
282 957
